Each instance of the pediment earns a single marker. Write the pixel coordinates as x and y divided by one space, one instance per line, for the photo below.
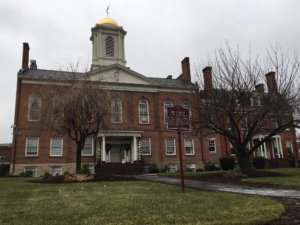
120 74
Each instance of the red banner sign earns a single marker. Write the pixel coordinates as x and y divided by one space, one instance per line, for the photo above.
178 119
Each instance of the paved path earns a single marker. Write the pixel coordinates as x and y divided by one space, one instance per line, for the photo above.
204 185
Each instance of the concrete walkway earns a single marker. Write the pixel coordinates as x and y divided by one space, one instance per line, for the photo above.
204 185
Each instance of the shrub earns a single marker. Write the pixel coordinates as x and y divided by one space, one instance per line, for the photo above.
85 169
153 168
4 170
28 173
259 162
210 167
227 163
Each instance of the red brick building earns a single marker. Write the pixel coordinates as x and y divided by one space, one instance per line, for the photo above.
138 125
137 128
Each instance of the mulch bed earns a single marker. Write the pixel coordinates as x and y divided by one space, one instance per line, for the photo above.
292 206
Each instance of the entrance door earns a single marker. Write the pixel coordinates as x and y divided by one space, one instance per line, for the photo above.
116 153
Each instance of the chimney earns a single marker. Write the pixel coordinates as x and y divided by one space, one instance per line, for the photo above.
25 59
33 64
260 88
271 82
207 76
186 72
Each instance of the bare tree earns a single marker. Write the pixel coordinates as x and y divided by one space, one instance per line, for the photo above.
78 108
232 102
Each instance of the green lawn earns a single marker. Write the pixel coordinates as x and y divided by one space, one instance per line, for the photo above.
292 180
27 203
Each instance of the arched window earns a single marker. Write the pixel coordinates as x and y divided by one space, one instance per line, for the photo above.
143 111
34 107
167 103
187 105
109 46
116 110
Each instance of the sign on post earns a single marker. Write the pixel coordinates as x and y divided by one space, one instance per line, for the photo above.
178 119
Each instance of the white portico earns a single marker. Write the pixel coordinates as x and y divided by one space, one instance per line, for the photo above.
118 146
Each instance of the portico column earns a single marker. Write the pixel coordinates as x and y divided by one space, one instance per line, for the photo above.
134 149
103 153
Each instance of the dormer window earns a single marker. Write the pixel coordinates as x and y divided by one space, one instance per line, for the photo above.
109 46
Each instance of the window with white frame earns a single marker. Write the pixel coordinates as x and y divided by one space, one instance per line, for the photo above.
116 109
146 146
143 111
167 103
32 146
172 167
34 107
31 169
170 146
109 44
56 147
56 170
88 147
189 146
212 146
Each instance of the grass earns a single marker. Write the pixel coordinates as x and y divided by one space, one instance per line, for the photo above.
291 180
24 202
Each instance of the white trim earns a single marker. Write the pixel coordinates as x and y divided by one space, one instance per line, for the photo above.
215 145
149 142
37 147
166 146
92 154
193 149
166 109
31 168
56 167
116 87
61 147
148 118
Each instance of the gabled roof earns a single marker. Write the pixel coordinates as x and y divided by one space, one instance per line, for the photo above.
130 77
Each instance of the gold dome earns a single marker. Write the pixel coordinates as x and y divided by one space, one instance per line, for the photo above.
107 20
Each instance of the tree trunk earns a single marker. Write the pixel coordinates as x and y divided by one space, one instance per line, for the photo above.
78 159
244 164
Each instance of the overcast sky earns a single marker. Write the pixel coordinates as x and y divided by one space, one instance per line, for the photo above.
159 34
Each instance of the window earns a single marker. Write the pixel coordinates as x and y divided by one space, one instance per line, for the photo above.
88 147
212 146
172 167
2 158
187 105
189 146
116 108
167 103
109 46
289 147
56 146
146 146
170 146
190 167
144 111
32 147
55 170
30 169
34 107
